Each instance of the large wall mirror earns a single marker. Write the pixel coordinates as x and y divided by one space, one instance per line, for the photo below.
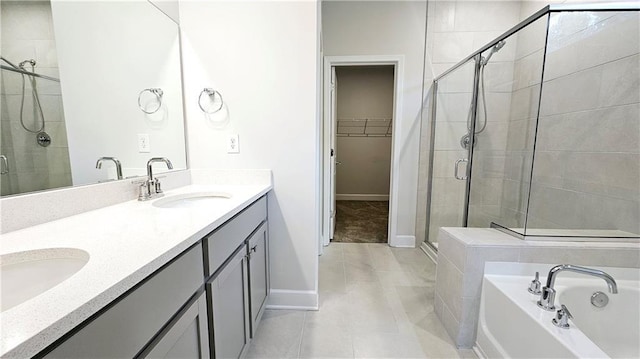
82 80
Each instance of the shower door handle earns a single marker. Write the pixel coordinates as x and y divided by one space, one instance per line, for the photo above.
457 169
4 165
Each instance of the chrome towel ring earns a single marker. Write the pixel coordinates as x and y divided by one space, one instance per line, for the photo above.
211 95
157 92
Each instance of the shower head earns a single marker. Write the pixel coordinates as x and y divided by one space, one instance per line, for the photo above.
31 62
498 46
493 50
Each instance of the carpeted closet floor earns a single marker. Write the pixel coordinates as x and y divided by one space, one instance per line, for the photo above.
361 221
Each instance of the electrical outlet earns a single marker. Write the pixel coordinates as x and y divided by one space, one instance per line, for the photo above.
233 144
143 143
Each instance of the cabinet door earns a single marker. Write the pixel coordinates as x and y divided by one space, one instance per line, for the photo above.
187 336
229 303
258 247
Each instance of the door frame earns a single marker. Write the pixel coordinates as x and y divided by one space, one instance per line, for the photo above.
397 61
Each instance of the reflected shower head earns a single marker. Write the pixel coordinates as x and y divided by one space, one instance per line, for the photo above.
493 50
31 62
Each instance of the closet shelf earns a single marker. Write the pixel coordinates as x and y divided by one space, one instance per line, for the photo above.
364 127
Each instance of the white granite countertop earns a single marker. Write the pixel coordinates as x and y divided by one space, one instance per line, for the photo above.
126 242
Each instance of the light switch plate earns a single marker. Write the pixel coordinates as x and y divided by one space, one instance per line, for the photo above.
143 143
233 144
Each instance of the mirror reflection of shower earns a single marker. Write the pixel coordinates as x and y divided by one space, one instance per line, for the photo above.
464 141
42 138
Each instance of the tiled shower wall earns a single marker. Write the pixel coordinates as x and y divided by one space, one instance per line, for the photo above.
454 30
586 166
509 193
27 33
587 160
588 152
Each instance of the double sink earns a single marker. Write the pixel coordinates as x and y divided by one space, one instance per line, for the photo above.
28 274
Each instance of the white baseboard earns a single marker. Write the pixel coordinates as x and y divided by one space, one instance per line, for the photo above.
403 241
293 299
362 197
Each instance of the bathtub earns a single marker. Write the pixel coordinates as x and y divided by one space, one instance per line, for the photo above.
511 325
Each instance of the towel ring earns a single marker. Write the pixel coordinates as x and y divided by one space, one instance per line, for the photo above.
211 93
157 92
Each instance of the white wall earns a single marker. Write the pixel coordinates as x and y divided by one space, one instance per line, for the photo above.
365 92
262 57
364 147
358 28
364 169
109 52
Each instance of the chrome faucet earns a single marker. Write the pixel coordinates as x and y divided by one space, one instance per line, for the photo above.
115 160
547 298
157 159
151 188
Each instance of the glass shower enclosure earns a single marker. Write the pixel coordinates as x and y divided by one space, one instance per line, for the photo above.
554 109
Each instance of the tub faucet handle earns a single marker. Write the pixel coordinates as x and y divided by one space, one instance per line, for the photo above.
562 317
534 287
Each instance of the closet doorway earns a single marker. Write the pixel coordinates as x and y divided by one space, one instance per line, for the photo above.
362 109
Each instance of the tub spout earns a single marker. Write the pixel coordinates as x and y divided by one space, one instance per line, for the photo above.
547 298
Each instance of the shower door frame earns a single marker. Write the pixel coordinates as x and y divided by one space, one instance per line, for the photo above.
473 113
430 248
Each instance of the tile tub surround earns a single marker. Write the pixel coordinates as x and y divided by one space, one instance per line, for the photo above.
462 254
126 243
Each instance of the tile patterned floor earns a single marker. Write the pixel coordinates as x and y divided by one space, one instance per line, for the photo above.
361 221
375 302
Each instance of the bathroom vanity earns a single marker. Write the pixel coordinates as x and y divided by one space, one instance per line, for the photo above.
190 279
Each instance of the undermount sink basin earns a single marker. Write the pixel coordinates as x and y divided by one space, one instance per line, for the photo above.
187 200
28 274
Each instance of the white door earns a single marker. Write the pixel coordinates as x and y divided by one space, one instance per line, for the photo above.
334 129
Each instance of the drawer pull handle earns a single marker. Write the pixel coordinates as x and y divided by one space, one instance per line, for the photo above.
251 251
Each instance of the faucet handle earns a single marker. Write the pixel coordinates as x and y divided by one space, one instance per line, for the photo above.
562 317
158 186
534 287
145 189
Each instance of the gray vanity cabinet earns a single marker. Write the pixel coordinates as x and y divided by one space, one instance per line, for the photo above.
238 279
126 327
258 254
205 303
187 336
228 295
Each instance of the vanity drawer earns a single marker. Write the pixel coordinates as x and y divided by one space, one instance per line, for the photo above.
221 244
124 329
